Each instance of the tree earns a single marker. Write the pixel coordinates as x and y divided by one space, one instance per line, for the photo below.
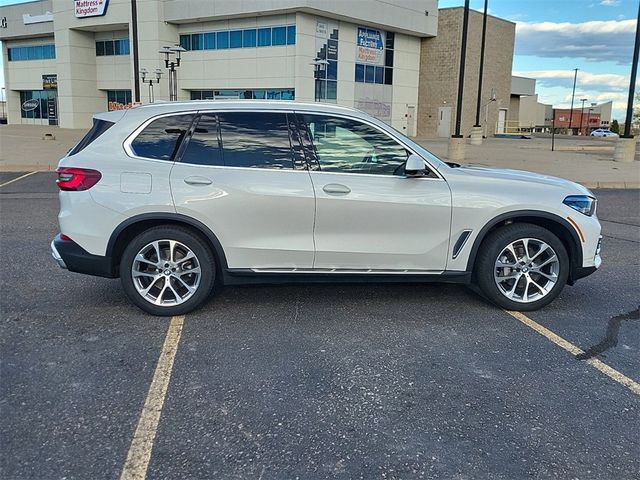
615 128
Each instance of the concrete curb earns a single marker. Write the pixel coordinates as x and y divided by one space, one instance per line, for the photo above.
613 185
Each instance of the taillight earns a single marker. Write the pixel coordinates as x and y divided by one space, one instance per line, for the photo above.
77 179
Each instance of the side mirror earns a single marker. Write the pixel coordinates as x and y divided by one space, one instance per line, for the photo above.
415 166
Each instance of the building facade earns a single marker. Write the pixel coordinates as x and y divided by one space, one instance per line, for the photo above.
439 72
66 60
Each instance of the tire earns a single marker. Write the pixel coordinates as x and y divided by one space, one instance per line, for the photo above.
190 273
512 281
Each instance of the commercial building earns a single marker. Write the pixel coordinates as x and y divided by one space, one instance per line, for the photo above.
440 64
66 60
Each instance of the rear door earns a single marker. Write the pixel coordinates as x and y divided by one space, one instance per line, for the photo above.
243 175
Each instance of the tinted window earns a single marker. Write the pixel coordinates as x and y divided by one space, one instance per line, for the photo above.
203 147
161 138
98 128
252 139
235 39
349 146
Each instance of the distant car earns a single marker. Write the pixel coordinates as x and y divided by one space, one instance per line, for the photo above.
179 198
603 132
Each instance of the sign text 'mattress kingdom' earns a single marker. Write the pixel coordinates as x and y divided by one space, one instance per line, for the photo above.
90 8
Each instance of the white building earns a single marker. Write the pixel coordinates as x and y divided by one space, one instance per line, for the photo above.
65 60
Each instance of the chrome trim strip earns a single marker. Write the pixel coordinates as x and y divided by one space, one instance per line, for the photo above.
343 271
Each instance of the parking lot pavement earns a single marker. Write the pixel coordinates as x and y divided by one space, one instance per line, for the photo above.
376 381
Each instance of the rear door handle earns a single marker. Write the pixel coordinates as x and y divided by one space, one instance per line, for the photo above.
198 181
336 189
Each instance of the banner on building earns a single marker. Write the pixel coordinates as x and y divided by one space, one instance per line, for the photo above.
50 82
90 8
370 47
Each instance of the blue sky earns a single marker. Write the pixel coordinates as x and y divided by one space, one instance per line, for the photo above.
555 36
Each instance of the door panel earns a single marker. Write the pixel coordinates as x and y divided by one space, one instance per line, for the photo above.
369 215
383 222
240 181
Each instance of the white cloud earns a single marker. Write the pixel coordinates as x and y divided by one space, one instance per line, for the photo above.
598 40
610 3
565 78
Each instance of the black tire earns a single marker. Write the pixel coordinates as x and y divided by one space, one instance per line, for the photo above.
492 247
194 243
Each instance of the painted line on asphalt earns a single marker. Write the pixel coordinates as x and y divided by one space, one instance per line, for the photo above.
19 178
572 349
135 467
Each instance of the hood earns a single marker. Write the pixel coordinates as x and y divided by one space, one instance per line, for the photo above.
521 176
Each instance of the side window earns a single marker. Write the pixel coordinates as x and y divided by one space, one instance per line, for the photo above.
349 146
161 139
255 139
204 147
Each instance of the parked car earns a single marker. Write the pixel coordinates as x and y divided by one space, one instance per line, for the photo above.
178 199
603 132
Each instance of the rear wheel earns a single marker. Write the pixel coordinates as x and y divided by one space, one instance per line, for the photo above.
522 267
167 271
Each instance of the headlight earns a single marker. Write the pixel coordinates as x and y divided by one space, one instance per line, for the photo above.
582 203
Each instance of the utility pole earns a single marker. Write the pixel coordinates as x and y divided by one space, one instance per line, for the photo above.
626 145
476 131
573 94
456 142
582 112
136 56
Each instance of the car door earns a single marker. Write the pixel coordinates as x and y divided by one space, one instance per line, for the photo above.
369 215
240 174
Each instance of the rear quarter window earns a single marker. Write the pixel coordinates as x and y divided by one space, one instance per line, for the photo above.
98 128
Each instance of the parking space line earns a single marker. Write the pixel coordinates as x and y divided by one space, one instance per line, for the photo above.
135 467
19 178
571 348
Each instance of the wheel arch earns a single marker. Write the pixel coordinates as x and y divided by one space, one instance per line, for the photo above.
560 227
131 227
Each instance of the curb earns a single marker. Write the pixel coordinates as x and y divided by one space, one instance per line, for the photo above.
612 185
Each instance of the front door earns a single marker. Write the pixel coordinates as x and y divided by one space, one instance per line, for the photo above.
240 175
444 121
502 118
370 217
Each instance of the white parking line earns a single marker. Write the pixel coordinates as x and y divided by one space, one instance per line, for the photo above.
135 467
19 178
572 349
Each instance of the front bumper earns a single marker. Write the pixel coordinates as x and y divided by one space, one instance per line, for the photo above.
71 256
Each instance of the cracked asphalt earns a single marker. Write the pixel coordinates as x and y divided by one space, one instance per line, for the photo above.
346 381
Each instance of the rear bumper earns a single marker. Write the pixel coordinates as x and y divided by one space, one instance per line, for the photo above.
73 257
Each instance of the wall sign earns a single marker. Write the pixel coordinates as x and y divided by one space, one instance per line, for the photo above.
370 47
90 8
50 82
3 22
30 105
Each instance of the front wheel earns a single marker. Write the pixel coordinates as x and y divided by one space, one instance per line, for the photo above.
522 267
167 271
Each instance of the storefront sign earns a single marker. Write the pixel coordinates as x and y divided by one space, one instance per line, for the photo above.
3 22
30 105
370 47
119 106
90 8
50 82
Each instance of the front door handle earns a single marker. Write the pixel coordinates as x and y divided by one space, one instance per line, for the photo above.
336 189
198 181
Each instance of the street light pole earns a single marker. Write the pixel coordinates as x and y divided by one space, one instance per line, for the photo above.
172 65
456 142
573 94
143 73
319 67
476 131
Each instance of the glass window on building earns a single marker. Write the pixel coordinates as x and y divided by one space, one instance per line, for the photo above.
119 46
118 99
264 37
235 39
34 103
378 73
31 52
250 38
256 94
291 35
279 36
222 40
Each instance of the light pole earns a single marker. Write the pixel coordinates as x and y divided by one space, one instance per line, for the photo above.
319 67
4 101
573 94
456 146
143 74
171 65
476 131
582 112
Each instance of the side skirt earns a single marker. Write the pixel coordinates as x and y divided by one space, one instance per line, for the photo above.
233 276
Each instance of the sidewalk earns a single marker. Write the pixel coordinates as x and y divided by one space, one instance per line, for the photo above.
593 169
23 149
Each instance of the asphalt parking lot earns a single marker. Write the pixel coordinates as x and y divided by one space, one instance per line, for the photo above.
390 382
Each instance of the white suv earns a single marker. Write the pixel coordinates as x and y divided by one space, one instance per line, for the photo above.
178 199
